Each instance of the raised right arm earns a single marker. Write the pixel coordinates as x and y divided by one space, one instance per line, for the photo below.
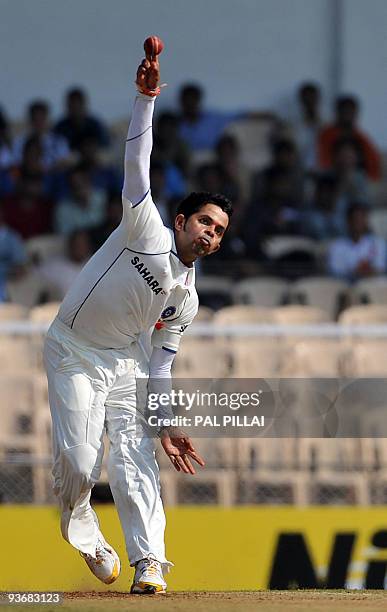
138 150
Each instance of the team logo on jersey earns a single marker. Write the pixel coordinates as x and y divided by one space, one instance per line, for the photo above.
168 312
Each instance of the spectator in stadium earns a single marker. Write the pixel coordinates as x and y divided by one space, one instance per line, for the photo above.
201 128
6 158
273 214
168 146
13 255
160 194
208 175
307 124
32 164
113 216
285 159
85 206
103 175
55 150
324 219
361 254
348 167
78 124
234 177
61 271
28 210
345 126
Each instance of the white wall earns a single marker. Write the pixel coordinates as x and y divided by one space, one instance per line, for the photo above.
247 53
365 62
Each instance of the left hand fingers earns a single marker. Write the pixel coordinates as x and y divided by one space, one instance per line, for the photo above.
188 464
182 465
196 458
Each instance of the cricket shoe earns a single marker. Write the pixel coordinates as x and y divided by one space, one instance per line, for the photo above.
106 564
148 578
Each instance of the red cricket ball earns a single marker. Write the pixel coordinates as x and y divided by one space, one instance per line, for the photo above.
153 46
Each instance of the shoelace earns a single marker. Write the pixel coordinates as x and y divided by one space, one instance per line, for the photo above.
100 554
152 566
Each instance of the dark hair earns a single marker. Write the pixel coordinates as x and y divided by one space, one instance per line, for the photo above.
76 92
355 207
343 101
195 201
37 106
283 145
191 89
227 139
166 117
308 87
3 120
32 141
80 168
275 173
326 180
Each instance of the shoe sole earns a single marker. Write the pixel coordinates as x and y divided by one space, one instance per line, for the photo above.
116 568
147 588
115 573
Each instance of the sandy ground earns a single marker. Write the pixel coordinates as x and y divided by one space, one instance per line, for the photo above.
263 601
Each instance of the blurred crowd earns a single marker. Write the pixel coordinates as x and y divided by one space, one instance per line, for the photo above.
312 179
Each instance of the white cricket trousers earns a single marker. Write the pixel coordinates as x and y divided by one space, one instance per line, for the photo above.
92 389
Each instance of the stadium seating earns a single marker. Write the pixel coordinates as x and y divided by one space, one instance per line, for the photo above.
261 291
299 315
323 292
316 357
45 313
214 291
204 314
199 358
12 312
242 315
372 290
16 352
378 222
30 289
368 359
367 314
43 248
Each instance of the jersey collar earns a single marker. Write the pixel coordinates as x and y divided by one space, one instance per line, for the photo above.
186 275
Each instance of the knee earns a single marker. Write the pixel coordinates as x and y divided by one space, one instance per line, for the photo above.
78 463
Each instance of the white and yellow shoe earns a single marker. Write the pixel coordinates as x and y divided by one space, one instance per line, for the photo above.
106 564
148 578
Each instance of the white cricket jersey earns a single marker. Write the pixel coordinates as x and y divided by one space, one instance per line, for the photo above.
135 280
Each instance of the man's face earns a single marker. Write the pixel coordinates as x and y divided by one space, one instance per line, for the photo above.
40 120
202 233
309 97
347 114
358 222
190 102
80 187
76 106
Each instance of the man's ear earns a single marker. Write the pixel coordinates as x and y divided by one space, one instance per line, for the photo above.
180 222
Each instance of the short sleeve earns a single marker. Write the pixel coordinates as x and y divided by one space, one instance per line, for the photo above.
170 328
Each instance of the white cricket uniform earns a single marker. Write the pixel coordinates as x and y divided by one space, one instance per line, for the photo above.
94 361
